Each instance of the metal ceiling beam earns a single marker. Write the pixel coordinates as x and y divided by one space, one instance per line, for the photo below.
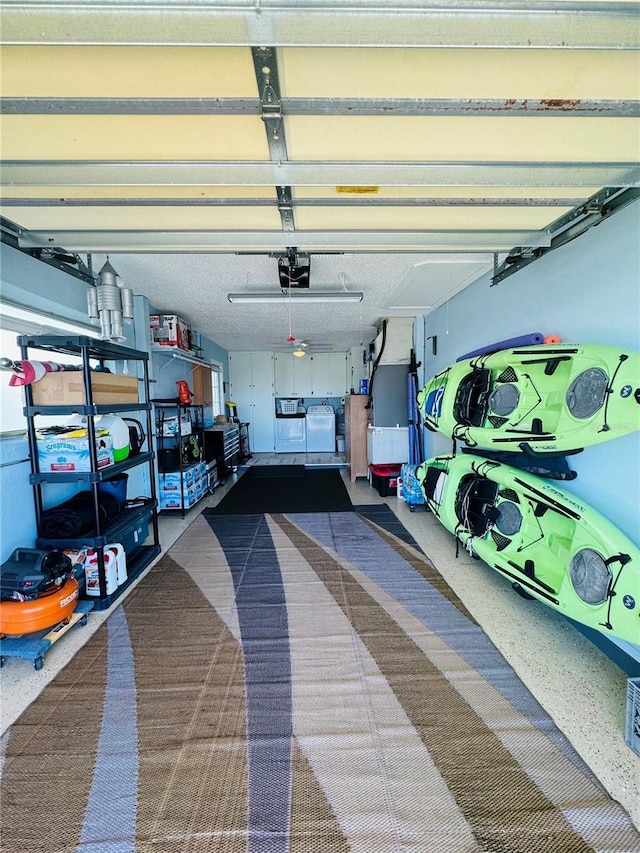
265 66
55 173
232 241
273 109
364 23
338 201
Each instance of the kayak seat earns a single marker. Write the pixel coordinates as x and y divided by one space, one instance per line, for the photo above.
475 504
430 482
472 398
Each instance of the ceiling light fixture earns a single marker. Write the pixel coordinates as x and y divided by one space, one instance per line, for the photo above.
296 296
299 353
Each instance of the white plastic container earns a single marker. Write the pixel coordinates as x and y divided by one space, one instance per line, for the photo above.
121 561
92 580
119 432
387 445
115 426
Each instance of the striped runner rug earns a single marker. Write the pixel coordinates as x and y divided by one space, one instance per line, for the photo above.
293 684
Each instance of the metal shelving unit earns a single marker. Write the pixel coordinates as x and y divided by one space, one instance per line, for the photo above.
178 441
126 522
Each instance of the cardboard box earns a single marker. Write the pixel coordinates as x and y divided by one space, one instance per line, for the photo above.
170 481
202 486
64 453
169 330
67 387
154 325
170 425
171 499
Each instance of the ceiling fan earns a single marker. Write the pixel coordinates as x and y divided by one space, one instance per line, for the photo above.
299 348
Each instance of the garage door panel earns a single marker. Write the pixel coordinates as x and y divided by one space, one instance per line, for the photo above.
79 71
451 138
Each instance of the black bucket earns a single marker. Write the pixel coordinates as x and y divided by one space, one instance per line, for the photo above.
168 460
136 436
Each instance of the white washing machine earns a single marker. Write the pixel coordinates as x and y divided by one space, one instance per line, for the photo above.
321 429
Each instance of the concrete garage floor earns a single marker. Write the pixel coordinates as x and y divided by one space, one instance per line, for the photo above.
581 688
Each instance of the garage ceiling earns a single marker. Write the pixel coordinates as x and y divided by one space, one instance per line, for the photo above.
408 146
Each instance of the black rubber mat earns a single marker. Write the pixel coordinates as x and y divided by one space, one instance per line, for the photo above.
275 471
318 490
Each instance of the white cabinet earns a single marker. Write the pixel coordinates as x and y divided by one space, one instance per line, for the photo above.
329 374
293 375
252 381
285 380
304 376
321 375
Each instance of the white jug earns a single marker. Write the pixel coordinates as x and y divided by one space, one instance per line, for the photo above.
92 580
120 557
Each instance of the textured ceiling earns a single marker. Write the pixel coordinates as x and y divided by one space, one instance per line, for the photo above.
375 136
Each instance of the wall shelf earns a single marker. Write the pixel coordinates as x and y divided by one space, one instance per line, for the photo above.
180 354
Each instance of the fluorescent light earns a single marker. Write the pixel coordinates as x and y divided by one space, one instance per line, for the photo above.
295 296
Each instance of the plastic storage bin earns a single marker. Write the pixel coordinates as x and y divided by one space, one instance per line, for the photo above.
384 479
387 445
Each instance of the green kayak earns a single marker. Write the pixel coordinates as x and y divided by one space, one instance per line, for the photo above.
549 398
547 542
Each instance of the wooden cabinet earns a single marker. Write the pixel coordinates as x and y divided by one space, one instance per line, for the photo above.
356 420
201 385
